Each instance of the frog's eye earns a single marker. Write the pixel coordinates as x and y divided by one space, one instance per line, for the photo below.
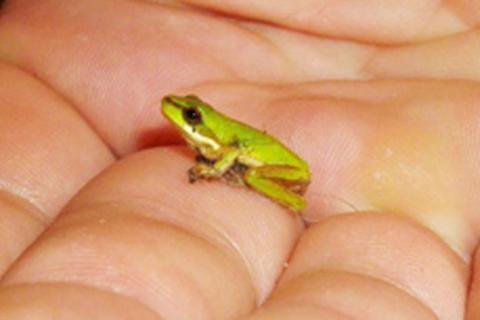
192 116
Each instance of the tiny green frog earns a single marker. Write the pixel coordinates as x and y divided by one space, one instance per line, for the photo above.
238 152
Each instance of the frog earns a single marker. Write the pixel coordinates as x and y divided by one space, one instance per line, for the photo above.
237 152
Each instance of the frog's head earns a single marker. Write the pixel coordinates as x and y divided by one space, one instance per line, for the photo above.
194 118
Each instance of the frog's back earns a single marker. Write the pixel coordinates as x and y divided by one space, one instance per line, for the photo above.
272 151
256 146
263 148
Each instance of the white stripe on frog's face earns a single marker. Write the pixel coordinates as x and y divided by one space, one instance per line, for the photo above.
196 139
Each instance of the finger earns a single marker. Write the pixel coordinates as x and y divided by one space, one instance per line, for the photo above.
61 301
141 231
366 21
370 266
473 307
116 77
452 57
47 153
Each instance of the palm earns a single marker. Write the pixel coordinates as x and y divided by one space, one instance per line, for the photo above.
396 154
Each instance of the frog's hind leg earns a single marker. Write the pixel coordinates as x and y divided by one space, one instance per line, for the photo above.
276 182
289 177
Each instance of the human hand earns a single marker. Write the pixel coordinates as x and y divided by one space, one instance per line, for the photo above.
393 156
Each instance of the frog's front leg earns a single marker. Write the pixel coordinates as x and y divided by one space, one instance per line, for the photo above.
276 182
206 170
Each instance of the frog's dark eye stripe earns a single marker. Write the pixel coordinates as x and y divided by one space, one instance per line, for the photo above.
192 116
192 97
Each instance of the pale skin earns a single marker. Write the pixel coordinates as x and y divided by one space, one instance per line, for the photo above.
80 85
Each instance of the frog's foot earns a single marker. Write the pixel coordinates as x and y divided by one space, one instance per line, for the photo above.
212 169
203 171
234 178
202 159
235 174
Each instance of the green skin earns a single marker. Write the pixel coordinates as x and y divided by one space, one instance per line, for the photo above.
239 153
